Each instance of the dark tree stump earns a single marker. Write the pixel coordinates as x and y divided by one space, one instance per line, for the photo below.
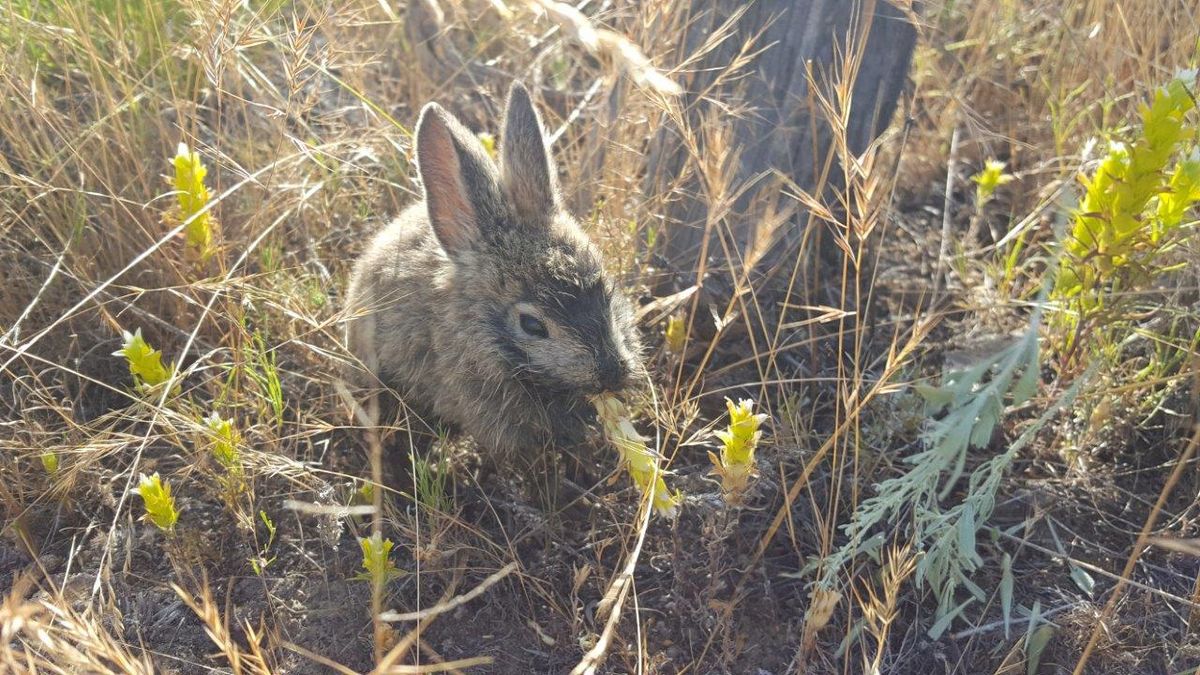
777 136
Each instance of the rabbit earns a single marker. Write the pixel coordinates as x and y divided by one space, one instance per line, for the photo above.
485 306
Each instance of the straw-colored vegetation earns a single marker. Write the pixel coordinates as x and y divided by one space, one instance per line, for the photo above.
952 431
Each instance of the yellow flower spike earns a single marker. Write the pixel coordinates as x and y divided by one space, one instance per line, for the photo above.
193 197
989 179
488 142
159 503
639 459
224 442
145 362
377 565
736 465
676 334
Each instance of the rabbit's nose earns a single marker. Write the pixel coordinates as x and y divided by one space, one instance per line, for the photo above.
612 375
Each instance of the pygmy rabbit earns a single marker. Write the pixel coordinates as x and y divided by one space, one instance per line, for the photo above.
485 306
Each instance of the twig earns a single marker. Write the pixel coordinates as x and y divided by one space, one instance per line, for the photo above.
1138 547
443 607
944 245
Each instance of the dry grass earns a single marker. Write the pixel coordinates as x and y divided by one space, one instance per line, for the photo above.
301 112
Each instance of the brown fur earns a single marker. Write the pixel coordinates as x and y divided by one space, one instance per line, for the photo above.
437 299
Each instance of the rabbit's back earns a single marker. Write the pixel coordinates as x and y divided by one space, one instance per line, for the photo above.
393 296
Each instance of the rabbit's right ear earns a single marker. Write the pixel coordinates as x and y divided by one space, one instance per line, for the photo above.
460 183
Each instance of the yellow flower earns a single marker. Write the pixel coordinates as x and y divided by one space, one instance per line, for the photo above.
224 442
639 459
145 362
160 505
736 464
193 197
989 179
488 142
676 334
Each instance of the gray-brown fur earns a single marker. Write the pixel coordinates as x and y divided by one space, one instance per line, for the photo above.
437 299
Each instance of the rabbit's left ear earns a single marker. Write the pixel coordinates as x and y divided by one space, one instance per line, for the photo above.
528 173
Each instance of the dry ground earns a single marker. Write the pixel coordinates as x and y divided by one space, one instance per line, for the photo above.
302 113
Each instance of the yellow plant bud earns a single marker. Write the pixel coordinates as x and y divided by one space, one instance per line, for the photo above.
989 179
145 362
225 443
639 459
676 334
193 197
736 465
159 503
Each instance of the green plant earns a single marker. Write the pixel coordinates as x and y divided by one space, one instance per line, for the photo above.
972 400
431 481
1133 205
260 562
49 462
265 374
158 501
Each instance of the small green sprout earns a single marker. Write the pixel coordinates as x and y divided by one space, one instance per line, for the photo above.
145 363
377 564
639 459
193 197
260 562
49 462
986 181
160 505
676 334
736 465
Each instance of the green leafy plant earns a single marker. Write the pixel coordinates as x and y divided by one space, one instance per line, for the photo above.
49 462
260 562
1132 205
193 198
377 564
971 401
145 363
736 465
432 480
265 374
158 501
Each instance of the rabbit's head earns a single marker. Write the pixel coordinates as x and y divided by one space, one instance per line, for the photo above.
529 283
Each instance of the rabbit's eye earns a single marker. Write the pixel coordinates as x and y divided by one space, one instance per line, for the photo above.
533 326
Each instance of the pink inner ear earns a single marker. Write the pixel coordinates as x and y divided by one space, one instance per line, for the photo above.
450 211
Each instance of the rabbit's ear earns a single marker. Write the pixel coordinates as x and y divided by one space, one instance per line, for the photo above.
528 172
459 179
